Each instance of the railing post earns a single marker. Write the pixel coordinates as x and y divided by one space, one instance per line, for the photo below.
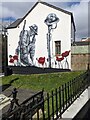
63 97
88 77
73 89
56 103
43 110
52 105
66 94
88 67
68 90
48 106
22 116
42 107
60 101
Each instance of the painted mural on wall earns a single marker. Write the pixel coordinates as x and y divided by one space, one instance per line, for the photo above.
51 21
25 50
62 57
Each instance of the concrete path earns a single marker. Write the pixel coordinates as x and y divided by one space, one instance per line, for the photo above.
23 94
1 74
4 101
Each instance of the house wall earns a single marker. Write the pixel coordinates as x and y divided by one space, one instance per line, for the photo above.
62 33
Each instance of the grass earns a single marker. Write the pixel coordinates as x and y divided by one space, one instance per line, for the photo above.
39 81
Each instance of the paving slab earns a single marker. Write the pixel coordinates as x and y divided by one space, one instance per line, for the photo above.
23 94
4 101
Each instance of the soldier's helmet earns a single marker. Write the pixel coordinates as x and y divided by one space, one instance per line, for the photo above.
51 18
34 28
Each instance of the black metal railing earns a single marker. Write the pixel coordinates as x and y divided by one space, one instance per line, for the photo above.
59 100
28 107
52 105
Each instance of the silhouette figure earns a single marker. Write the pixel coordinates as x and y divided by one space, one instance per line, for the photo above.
14 100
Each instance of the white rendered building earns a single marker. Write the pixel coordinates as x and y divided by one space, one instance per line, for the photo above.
41 36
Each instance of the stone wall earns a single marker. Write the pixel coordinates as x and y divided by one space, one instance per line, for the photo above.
80 57
80 61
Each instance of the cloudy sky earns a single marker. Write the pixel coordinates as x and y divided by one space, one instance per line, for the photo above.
11 10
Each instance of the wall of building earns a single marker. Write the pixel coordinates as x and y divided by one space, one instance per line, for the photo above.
62 33
80 57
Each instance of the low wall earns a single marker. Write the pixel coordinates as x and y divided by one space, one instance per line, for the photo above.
80 58
31 70
80 61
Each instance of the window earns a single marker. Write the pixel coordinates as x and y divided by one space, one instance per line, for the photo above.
57 47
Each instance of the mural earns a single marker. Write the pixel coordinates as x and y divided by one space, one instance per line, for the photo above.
26 46
51 21
62 57
41 61
25 50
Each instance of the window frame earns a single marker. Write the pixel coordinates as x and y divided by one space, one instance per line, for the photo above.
57 47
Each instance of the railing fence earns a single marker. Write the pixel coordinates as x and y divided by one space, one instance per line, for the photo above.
54 104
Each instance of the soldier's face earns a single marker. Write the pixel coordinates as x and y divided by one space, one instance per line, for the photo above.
31 33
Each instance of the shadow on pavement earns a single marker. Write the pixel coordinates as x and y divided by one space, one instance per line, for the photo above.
4 87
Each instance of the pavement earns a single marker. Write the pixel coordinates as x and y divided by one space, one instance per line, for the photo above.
1 74
4 101
23 94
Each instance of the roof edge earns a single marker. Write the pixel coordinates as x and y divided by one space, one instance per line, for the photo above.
60 9
55 7
11 25
47 4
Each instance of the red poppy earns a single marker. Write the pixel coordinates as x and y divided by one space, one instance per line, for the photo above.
59 59
66 53
15 57
41 60
11 60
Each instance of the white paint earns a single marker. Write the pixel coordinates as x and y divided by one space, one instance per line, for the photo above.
37 16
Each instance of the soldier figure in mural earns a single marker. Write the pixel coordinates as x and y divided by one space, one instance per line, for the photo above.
26 45
31 47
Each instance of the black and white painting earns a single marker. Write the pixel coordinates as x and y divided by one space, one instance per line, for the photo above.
26 46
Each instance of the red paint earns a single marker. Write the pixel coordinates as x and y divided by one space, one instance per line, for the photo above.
41 60
59 59
66 53
15 57
11 60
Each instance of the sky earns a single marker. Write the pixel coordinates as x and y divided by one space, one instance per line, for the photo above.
10 10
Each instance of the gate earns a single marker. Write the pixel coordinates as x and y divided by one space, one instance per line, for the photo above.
27 109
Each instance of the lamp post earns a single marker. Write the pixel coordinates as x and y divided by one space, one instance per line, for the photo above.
51 21
4 52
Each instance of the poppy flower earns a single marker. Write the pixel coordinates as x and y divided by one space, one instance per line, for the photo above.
15 57
59 59
66 53
11 60
41 60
